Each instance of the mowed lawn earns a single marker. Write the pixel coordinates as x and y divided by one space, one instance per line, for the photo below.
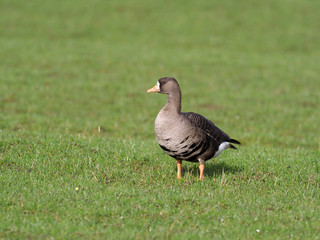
78 157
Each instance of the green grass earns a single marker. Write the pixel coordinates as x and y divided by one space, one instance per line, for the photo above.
71 68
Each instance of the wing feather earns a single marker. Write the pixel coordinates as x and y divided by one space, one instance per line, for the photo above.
207 126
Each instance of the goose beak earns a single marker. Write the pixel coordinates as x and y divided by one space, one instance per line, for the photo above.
154 89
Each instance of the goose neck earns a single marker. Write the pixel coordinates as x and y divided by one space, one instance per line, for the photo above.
174 103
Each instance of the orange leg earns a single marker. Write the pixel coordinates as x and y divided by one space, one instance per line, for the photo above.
201 167
179 163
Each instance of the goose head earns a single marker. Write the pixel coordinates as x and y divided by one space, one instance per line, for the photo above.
166 85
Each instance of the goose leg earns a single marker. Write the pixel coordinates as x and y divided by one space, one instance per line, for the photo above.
201 168
179 163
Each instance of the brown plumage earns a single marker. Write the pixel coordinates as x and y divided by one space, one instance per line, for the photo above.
186 135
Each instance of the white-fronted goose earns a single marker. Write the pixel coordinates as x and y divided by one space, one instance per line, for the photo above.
186 135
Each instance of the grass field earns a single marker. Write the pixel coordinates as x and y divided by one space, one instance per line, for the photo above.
74 113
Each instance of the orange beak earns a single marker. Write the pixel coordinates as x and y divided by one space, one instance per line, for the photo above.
154 89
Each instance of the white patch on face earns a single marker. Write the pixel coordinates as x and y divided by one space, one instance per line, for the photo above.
222 146
158 85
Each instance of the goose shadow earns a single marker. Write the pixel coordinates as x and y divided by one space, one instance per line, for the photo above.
212 169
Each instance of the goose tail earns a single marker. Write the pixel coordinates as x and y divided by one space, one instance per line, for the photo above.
233 147
234 141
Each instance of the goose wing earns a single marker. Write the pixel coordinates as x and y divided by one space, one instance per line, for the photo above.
207 126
